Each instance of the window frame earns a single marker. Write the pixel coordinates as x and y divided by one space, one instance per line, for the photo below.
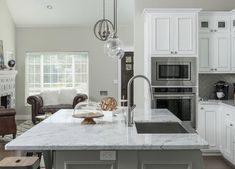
26 72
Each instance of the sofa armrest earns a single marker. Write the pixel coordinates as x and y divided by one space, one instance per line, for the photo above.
6 112
79 98
36 102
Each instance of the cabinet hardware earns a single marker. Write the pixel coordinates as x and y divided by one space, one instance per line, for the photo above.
175 52
215 30
202 108
172 52
227 114
212 69
231 125
215 69
212 30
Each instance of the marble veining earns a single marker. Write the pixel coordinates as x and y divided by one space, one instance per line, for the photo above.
63 132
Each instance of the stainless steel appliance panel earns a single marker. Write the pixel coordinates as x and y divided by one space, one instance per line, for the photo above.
180 71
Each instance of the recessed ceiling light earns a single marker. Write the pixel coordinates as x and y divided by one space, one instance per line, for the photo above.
49 7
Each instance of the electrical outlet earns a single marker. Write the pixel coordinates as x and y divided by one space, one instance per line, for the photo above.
108 155
115 81
103 93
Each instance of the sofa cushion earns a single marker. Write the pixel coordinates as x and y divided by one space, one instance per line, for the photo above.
50 97
66 96
55 108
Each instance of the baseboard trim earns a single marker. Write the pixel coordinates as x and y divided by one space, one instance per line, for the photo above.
211 153
23 117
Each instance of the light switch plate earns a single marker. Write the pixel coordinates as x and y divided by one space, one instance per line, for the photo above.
108 155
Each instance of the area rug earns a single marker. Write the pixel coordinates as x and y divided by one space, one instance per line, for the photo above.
21 128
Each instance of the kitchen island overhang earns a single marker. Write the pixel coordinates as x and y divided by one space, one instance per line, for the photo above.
63 133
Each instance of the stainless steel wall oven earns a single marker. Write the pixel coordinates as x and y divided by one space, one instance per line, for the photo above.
180 101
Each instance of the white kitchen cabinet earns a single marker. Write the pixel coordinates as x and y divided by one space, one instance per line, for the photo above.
162 34
173 32
216 125
222 52
232 22
185 36
210 22
227 133
208 120
214 42
233 51
205 52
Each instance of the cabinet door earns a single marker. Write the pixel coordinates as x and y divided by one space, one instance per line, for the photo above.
205 52
208 117
161 34
185 34
222 52
233 51
227 135
206 23
222 24
232 23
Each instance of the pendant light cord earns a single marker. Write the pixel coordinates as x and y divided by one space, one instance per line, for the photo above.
115 18
103 9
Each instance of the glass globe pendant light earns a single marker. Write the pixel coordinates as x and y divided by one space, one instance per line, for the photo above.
114 46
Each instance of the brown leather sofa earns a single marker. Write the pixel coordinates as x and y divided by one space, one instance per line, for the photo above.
7 122
39 109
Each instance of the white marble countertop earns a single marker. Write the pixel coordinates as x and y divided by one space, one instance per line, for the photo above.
63 132
217 102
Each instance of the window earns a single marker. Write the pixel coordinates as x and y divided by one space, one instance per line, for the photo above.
45 71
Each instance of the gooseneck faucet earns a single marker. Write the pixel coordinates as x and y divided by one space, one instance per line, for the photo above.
130 115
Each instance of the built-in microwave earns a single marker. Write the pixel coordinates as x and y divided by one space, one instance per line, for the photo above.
172 71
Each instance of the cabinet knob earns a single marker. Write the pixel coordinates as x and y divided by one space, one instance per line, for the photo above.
172 52
215 69
176 52
212 30
202 108
215 30
231 125
228 114
212 69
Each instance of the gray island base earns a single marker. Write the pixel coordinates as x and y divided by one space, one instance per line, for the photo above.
110 144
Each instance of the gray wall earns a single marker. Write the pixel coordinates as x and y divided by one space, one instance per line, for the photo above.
102 70
7 28
139 27
207 81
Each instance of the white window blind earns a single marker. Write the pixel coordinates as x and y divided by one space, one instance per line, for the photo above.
46 71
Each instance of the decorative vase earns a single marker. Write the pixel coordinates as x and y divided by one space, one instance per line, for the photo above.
11 64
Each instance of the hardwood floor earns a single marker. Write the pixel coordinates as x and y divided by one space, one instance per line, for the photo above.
216 162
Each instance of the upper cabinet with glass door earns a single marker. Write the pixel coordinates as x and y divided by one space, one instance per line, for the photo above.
214 22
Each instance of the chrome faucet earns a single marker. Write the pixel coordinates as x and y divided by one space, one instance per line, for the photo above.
130 115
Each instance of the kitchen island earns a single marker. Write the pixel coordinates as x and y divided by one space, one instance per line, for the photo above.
110 144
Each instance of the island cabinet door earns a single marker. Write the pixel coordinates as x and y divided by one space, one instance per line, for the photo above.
170 159
84 160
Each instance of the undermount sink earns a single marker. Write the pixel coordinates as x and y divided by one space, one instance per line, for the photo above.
159 128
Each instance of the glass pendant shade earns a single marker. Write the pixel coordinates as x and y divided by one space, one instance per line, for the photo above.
114 48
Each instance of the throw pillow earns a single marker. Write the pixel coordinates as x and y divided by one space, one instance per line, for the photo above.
50 97
66 96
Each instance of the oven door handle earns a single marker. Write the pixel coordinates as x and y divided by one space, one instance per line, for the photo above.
186 96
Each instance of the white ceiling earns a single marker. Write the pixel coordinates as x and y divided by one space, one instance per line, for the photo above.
34 13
